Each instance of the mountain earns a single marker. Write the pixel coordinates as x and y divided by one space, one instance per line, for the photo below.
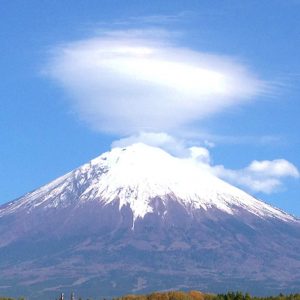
137 219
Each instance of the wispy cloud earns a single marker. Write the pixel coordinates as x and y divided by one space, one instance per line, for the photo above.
162 140
125 82
175 146
260 176
161 19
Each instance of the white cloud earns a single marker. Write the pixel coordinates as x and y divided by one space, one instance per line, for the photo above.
162 140
200 154
260 176
175 146
275 168
132 81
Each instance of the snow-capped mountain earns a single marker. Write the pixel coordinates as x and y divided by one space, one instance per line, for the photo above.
139 219
137 174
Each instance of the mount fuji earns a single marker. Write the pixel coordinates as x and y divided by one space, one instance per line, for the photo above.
137 219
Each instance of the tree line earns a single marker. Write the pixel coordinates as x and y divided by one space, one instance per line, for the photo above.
196 295
192 295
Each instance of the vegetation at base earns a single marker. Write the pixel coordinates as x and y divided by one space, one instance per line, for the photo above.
193 295
9 298
196 295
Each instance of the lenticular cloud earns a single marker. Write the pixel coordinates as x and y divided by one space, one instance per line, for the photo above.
133 81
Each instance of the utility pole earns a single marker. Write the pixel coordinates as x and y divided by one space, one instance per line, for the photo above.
72 296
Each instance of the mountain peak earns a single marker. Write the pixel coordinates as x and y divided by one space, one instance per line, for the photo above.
134 176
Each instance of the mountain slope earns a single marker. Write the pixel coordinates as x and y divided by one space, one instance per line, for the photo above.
139 219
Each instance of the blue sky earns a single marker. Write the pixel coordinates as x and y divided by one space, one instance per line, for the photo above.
59 109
